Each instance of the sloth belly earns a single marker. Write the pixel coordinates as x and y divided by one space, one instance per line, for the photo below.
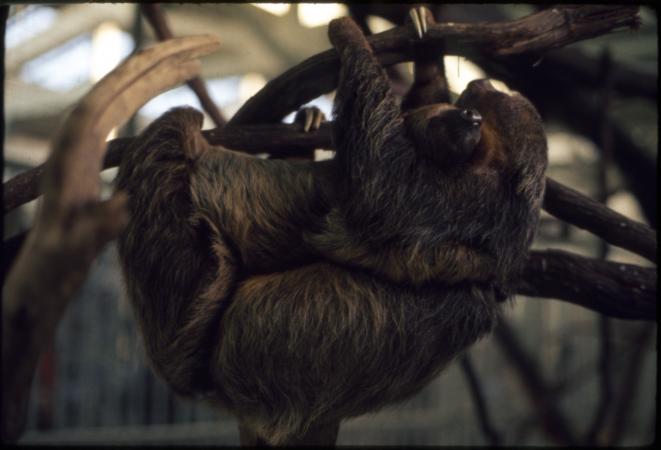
320 343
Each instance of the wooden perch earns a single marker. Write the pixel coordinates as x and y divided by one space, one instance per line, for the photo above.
561 201
625 291
318 75
554 274
539 32
73 225
573 207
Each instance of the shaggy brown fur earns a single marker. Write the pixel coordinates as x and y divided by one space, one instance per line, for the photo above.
298 294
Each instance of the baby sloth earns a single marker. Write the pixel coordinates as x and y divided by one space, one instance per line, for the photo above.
297 294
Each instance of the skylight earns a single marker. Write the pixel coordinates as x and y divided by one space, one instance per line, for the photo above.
73 63
223 91
28 23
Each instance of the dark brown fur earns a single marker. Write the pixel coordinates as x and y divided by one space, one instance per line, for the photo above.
299 294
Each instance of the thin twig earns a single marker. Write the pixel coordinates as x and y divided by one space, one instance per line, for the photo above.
554 423
481 408
629 388
605 382
605 350
157 18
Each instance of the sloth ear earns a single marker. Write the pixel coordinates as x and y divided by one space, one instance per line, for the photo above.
182 127
192 142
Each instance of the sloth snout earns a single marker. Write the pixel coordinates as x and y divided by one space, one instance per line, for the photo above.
472 116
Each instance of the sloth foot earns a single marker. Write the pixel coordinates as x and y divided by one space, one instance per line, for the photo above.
309 118
419 17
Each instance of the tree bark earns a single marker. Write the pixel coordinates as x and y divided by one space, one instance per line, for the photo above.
537 33
624 291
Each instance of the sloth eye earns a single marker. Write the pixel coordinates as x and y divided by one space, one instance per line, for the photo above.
456 124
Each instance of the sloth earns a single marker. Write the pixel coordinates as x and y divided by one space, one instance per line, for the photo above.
297 294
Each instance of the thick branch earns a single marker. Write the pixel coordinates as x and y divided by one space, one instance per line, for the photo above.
156 17
275 138
539 32
72 225
573 207
561 201
624 291
318 74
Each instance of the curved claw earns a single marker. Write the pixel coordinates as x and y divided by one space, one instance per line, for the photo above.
420 17
309 118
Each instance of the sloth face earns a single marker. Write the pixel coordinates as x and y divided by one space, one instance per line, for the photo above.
446 134
512 130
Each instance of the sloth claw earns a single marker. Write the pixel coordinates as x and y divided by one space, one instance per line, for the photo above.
420 18
310 118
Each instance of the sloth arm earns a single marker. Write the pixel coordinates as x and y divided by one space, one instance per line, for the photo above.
446 262
374 156
429 82
372 150
261 207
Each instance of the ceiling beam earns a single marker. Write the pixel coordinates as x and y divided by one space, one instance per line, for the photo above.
71 21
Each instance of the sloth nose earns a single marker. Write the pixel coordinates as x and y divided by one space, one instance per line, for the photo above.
471 116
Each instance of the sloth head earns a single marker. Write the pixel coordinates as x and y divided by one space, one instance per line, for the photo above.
485 129
444 133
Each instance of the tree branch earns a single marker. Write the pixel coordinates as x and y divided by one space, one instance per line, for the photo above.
477 394
624 291
628 390
573 207
72 225
539 32
555 275
156 17
603 193
561 201
554 423
318 75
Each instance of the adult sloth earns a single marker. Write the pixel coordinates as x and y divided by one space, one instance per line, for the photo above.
299 294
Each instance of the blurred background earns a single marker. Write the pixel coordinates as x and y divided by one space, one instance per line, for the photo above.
93 385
